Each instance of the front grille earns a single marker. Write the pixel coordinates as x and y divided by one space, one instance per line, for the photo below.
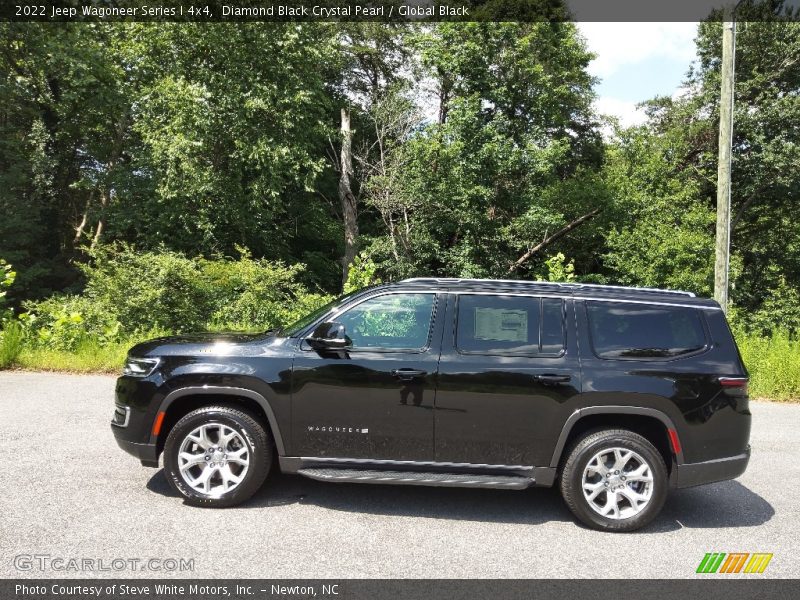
122 415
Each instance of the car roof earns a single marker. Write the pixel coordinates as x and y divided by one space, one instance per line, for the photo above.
576 290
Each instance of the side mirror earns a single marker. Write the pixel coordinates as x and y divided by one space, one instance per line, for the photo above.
329 336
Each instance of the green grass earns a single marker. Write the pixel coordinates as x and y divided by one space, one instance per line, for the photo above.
774 365
88 357
11 342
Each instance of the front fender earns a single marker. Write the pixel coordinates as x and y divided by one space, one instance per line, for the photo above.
216 390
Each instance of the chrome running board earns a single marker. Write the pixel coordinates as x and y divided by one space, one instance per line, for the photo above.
509 482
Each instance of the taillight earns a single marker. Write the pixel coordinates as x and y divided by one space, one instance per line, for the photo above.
734 382
734 386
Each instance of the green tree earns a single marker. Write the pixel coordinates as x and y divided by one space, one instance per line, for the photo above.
663 176
514 133
61 108
661 235
372 60
233 118
766 152
196 138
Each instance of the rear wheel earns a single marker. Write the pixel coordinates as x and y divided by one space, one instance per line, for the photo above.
217 456
614 480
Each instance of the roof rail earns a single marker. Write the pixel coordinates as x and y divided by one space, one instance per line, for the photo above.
598 286
467 280
573 286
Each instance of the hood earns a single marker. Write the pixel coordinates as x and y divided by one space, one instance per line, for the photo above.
205 344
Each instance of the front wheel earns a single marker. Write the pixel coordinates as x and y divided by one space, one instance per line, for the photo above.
614 480
217 456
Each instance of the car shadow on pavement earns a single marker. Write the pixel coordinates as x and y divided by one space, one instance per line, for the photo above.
536 505
718 505
726 504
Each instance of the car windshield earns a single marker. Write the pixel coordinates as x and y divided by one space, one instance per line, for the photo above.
303 322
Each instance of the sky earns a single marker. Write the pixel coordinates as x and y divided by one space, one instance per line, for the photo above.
637 61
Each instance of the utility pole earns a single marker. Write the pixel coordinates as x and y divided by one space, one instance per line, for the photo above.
723 243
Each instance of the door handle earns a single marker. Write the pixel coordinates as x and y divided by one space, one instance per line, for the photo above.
550 379
407 374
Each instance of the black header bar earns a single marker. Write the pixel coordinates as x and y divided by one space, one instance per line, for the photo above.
64 11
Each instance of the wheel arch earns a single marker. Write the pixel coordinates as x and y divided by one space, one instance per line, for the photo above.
180 402
640 419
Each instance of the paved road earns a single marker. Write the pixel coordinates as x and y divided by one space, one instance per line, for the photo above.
69 492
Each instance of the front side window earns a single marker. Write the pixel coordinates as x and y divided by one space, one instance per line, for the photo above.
306 320
396 321
510 325
641 331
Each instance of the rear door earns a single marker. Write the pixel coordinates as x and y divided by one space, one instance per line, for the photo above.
508 364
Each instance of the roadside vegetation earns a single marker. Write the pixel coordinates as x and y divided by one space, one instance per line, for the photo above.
130 298
774 365
157 180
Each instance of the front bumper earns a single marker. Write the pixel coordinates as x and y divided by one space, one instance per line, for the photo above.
146 453
136 403
721 469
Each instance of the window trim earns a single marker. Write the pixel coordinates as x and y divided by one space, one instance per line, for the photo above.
334 314
659 359
540 298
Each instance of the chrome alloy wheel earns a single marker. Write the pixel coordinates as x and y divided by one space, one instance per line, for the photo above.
213 459
617 483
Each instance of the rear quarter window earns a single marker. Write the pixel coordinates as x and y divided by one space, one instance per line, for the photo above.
644 332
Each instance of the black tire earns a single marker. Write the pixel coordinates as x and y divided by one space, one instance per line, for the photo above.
583 451
251 433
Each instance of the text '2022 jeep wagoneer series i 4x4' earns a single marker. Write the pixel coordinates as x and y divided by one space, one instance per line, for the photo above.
613 394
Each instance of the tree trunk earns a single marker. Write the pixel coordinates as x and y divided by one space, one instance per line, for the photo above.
99 231
82 225
445 85
392 237
116 153
549 240
348 199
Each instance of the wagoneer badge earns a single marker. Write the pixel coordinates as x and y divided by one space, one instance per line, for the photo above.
337 429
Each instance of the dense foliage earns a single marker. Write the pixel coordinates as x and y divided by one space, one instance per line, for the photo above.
143 294
663 177
136 161
7 277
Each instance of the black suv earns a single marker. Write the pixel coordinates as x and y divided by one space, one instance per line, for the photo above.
615 394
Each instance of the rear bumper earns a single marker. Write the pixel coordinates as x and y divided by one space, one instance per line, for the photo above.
146 453
730 467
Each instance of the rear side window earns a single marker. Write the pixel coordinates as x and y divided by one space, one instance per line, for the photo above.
641 331
510 325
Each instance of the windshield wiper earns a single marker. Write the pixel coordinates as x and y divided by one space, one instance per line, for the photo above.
645 352
658 352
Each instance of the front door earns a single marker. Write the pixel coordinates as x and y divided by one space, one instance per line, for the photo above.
507 368
374 400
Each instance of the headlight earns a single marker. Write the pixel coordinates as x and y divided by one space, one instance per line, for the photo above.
139 367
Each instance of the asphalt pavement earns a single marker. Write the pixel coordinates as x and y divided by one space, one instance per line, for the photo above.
74 505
